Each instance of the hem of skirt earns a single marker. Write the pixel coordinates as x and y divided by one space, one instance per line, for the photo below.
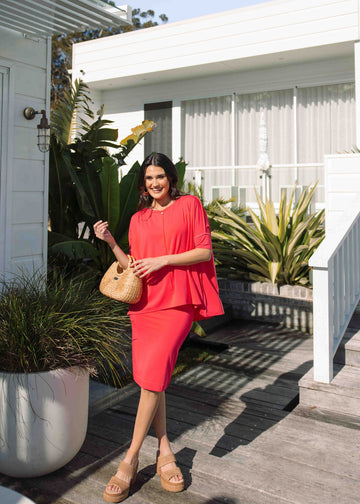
150 386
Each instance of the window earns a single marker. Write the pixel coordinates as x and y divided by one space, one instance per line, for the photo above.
207 131
326 121
160 140
325 125
277 108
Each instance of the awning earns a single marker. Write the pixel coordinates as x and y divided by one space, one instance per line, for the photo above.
43 18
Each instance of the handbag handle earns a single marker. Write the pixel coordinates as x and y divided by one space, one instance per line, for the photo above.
131 260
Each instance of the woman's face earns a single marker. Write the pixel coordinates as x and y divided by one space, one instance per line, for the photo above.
156 183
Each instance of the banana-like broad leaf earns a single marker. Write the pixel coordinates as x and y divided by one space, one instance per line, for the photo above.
180 168
110 191
63 206
128 201
89 185
75 249
64 116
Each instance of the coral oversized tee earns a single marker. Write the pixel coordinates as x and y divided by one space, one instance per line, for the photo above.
180 227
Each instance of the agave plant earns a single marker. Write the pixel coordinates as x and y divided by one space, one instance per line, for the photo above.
271 247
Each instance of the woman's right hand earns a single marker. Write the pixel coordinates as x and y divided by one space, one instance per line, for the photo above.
102 232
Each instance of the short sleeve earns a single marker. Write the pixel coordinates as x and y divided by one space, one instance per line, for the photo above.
202 232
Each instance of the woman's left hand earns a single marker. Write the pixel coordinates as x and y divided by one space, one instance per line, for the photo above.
143 267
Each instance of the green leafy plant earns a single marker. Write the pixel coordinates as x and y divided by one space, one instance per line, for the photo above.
271 247
84 180
54 323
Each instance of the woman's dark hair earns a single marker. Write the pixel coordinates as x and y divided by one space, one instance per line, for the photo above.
157 159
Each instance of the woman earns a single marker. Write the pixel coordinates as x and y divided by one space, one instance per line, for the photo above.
169 237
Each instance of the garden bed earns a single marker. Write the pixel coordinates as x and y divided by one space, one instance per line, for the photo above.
290 305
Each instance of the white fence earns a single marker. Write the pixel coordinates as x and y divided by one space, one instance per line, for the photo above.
238 182
336 281
336 263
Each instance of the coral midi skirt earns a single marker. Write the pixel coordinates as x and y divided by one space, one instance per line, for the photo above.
156 339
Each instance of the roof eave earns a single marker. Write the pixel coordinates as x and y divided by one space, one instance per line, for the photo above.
44 18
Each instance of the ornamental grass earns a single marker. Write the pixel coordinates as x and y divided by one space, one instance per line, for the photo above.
53 323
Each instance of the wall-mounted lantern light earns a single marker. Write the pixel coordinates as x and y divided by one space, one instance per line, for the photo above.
43 128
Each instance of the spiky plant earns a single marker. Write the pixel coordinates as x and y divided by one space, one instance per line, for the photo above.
69 113
272 247
46 325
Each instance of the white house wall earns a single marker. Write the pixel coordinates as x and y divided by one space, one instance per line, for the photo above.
231 40
125 106
24 179
342 179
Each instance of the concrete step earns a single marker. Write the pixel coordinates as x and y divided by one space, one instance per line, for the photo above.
349 350
342 395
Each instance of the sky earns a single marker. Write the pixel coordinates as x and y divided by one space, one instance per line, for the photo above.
178 10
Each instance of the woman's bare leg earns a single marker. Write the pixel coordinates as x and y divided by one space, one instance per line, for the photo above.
148 405
159 423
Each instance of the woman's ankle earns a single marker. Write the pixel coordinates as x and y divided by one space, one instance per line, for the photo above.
131 457
164 448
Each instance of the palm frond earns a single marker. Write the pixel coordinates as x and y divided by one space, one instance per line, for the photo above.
65 117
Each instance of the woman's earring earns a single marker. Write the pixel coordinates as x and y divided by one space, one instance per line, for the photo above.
145 193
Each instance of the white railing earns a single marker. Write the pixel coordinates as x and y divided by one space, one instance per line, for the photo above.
239 181
336 282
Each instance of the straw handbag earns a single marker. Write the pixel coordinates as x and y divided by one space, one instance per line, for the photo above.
121 284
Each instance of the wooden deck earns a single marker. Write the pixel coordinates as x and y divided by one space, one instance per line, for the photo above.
234 431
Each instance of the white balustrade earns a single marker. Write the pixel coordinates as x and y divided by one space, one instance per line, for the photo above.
336 281
223 179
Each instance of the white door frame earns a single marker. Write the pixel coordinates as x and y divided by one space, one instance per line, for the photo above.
6 148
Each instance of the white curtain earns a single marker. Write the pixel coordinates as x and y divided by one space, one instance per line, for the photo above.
207 137
326 121
277 107
325 125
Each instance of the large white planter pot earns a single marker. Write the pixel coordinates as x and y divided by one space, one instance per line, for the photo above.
43 420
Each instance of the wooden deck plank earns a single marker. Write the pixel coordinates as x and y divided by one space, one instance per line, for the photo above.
268 365
232 404
233 440
326 456
274 476
284 478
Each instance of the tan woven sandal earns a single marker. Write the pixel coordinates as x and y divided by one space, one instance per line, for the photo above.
130 471
170 486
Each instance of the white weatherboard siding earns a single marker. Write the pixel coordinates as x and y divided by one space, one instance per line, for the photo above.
274 46
342 178
125 106
304 50
24 179
228 41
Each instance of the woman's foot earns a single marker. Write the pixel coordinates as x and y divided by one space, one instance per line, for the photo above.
171 476
118 487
